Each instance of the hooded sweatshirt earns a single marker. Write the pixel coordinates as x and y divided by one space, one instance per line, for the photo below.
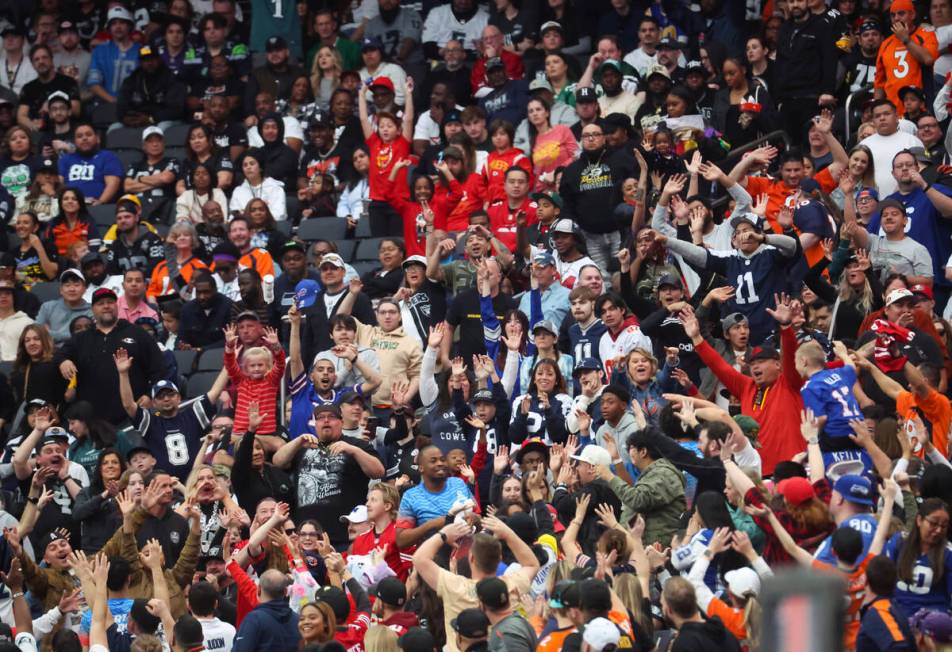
400 355
270 626
591 188
707 636
278 161
10 329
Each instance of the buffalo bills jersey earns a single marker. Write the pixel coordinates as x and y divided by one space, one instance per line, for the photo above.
923 590
865 524
829 393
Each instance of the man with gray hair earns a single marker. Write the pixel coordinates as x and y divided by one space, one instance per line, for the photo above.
271 625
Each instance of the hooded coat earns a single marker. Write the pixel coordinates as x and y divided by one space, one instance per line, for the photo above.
270 626
278 161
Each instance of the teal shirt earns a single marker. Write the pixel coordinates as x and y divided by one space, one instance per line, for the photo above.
275 18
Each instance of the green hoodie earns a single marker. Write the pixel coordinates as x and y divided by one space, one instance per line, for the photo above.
658 496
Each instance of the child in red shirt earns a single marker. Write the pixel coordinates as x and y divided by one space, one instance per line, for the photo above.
257 379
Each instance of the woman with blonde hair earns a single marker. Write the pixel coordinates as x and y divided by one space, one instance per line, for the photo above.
174 274
858 293
381 639
325 75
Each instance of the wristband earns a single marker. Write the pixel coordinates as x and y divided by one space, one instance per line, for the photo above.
444 538
615 462
813 441
927 188
33 500
18 594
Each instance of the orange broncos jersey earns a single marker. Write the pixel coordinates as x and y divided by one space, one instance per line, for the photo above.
896 67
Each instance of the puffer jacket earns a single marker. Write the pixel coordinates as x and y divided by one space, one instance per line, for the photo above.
658 496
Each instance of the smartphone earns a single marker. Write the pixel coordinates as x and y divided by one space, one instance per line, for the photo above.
372 423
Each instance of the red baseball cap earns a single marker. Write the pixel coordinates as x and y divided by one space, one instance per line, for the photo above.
796 490
382 81
924 290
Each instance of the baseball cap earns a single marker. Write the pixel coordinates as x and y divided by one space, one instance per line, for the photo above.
657 69
610 63
869 25
57 96
493 593
898 295
452 116
51 537
118 13
417 639
743 581
594 454
668 43
54 435
557 599
891 203
695 67
750 218
764 353
536 84
123 203
371 43
103 293
247 314
599 633
867 193
66 26
595 594
11 28
349 397
382 82
532 444
6 284
390 590
556 200
357 515
327 407
483 396
414 260
543 258
922 289
911 89
936 625
586 94
670 280
332 259
36 404
809 185
920 154
495 62
162 386
305 293
855 488
336 599
550 24
147 51
732 320
90 258
275 43
901 5
148 132
471 623
293 245
564 225
320 119
72 271
546 325
796 490
587 364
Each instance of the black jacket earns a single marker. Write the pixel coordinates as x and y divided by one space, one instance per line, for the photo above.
268 80
200 330
277 160
708 636
316 335
251 486
564 503
145 253
98 381
808 57
591 188
160 95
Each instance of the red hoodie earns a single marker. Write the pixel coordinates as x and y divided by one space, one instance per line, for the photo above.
471 200
399 622
441 205
494 172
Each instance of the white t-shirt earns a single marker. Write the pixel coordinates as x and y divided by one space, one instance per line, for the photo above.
884 148
219 636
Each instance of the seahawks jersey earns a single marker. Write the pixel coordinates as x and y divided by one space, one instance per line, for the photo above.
175 441
755 279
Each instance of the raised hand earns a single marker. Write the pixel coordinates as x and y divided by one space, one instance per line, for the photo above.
710 172
606 516
466 471
694 165
398 391
437 333
824 121
584 420
271 338
581 506
608 441
458 366
254 416
476 422
689 320
501 460
675 184
122 360
783 312
809 426
71 601
741 543
231 335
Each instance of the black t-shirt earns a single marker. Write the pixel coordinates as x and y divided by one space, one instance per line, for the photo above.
215 164
232 134
17 176
332 163
57 513
427 306
142 168
464 313
329 485
36 92
25 262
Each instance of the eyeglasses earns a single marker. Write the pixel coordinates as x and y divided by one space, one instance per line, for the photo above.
308 534
592 136
290 530
937 525
223 426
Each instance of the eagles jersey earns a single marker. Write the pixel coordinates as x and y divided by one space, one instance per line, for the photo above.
829 393
755 279
175 441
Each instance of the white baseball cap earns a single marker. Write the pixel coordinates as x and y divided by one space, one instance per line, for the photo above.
743 582
594 454
357 515
600 633
151 131
119 13
898 295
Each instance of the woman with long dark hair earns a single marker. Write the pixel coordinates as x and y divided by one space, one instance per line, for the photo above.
264 227
200 147
258 184
92 435
743 110
923 560
95 508
204 188
541 410
73 224
355 196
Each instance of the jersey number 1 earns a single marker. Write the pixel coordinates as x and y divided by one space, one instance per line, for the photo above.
278 8
746 279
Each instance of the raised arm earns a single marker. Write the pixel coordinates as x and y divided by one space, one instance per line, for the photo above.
408 109
365 124
123 364
888 492
294 342
800 555
22 457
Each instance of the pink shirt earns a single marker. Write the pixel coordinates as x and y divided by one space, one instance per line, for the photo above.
553 149
130 315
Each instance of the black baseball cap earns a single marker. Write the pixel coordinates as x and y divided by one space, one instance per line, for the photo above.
336 599
471 623
594 595
417 639
764 353
493 593
586 94
293 245
391 591
327 407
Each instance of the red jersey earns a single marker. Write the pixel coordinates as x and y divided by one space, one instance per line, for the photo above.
494 172
775 408
471 200
512 61
382 157
502 219
351 635
414 232
366 542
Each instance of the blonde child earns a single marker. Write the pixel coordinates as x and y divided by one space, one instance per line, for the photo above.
257 379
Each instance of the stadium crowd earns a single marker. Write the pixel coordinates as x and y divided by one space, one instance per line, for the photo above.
511 326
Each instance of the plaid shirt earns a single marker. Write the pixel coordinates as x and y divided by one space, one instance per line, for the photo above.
808 539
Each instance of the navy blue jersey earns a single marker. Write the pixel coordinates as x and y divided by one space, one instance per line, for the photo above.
175 441
829 393
549 425
755 280
585 342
